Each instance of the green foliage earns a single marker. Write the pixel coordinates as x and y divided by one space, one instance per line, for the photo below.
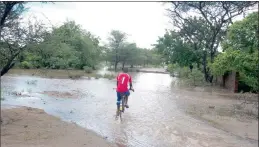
16 34
25 65
120 51
175 50
196 77
242 62
197 37
67 46
242 34
183 72
241 52
173 68
88 69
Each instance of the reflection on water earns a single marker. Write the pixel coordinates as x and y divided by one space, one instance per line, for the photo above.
153 118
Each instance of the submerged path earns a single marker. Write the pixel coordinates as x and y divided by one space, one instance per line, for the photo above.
153 119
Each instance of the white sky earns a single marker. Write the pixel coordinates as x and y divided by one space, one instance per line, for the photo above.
142 21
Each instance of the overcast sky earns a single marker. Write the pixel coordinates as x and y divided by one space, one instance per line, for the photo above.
143 21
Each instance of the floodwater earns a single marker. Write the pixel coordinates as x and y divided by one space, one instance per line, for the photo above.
153 120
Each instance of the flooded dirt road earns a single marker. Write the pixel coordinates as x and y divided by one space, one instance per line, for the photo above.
155 117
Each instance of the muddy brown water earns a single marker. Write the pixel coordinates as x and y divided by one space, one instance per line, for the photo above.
154 118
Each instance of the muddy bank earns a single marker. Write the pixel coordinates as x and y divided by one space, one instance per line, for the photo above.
232 113
26 126
52 73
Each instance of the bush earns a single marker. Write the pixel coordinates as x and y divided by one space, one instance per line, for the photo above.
88 69
109 76
196 77
175 69
183 72
26 65
172 68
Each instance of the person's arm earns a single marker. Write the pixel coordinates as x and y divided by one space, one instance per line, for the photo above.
117 80
130 81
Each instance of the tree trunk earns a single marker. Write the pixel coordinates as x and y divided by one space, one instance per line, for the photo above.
9 64
6 68
116 60
123 63
204 60
115 66
191 67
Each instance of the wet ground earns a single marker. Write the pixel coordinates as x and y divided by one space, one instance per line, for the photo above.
156 117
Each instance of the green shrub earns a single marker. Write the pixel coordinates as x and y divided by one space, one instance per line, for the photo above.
196 77
88 69
172 68
26 65
183 72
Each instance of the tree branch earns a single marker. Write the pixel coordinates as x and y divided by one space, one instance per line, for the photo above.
204 15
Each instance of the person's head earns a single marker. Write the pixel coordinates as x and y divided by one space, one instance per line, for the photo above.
125 69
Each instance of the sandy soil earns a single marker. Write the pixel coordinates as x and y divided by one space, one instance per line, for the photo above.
27 127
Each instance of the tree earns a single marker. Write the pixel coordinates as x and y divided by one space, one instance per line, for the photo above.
242 62
173 47
14 38
10 12
242 34
197 34
67 46
217 16
127 52
116 42
241 52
